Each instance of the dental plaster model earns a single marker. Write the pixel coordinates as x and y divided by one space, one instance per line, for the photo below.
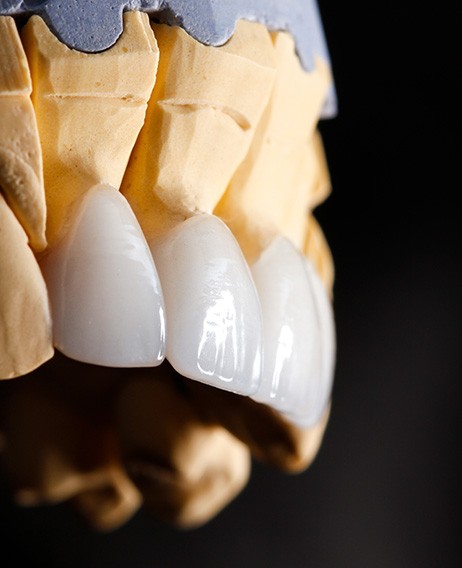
180 169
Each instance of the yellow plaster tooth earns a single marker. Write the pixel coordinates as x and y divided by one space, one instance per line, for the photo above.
187 469
270 437
14 71
25 330
273 188
21 175
313 242
57 454
322 187
90 109
310 186
201 119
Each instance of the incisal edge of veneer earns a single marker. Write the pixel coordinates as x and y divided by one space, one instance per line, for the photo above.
90 109
25 330
21 175
201 118
272 190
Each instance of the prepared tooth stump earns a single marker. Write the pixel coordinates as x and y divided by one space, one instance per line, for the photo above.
166 293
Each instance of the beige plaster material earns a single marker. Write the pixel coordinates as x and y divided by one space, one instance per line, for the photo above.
56 453
271 438
321 187
274 186
228 130
187 470
200 122
317 250
25 322
314 244
89 108
21 175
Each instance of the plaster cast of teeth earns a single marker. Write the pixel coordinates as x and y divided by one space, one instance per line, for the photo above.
212 307
298 335
106 299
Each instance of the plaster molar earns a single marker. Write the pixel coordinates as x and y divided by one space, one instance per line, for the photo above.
298 334
105 294
213 312
21 176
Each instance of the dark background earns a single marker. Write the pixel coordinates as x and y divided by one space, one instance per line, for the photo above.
384 490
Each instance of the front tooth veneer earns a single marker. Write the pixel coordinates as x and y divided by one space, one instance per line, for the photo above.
213 312
21 176
105 294
298 334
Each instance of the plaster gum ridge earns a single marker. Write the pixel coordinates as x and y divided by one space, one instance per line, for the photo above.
94 26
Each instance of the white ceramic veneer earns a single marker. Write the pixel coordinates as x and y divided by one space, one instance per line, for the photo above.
106 298
212 307
299 344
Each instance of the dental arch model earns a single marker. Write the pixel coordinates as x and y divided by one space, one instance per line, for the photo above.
207 256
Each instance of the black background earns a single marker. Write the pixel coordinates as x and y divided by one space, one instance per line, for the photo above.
384 490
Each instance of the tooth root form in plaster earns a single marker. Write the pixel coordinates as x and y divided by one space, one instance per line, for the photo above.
201 118
21 175
105 294
90 109
25 330
298 334
278 180
213 312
